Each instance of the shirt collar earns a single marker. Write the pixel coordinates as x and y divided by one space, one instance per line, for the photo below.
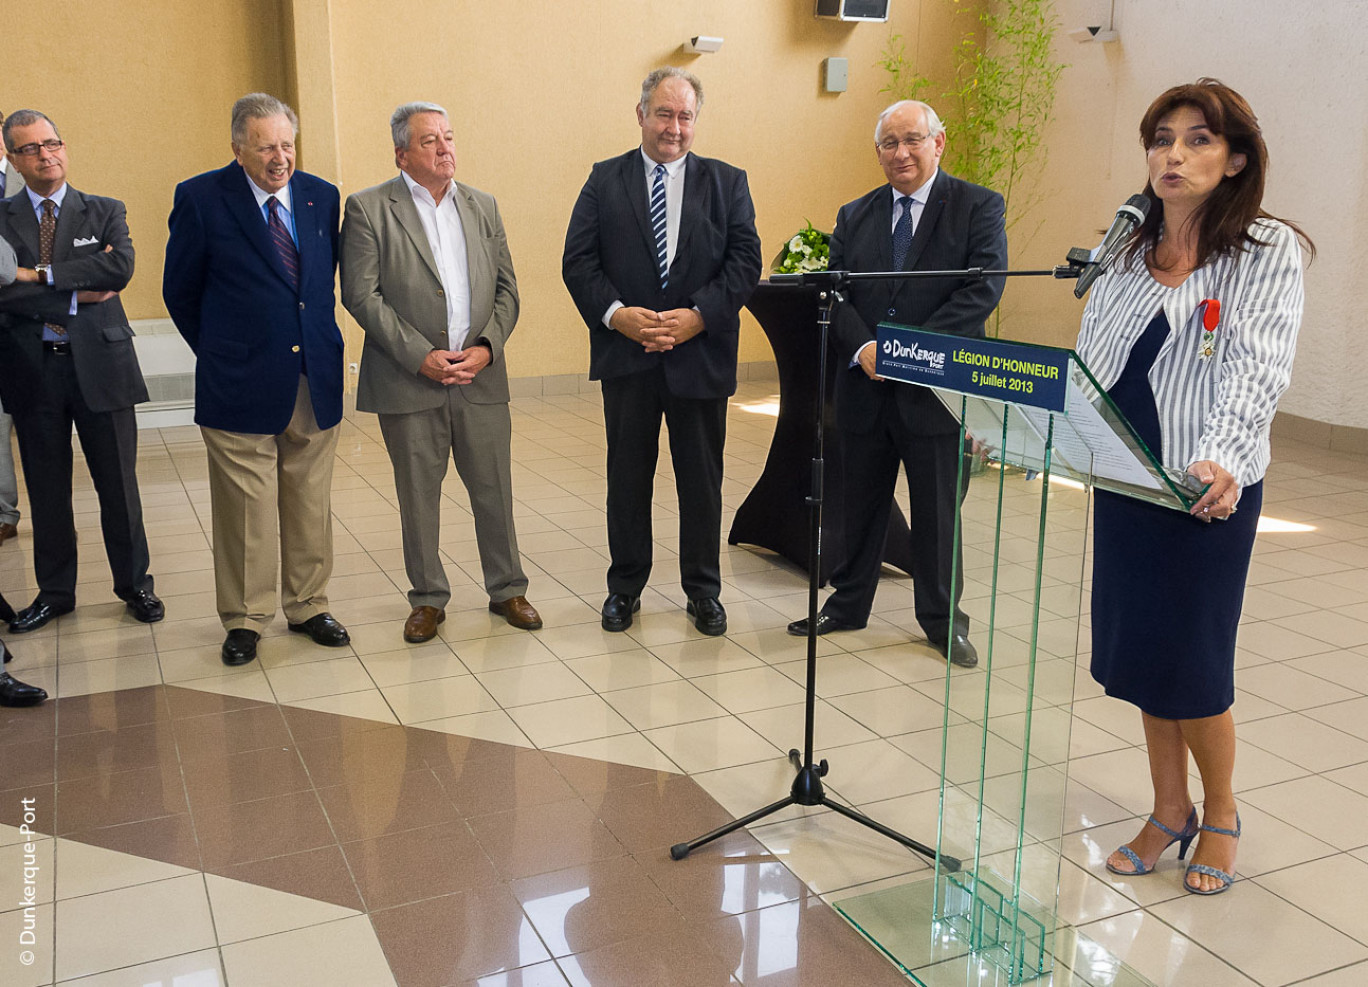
422 194
283 196
921 194
672 168
56 197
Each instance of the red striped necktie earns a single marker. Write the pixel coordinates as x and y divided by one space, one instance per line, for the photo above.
284 243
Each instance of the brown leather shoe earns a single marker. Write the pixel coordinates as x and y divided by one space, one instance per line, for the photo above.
8 531
422 624
518 612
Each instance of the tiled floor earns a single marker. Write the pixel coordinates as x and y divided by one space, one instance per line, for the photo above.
497 804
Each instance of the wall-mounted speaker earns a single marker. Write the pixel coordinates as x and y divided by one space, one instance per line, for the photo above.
853 10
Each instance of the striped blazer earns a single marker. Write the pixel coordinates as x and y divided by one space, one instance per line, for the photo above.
1217 407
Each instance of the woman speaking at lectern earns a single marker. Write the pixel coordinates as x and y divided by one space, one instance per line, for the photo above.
1192 332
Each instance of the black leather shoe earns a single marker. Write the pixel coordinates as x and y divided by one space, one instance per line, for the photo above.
239 647
618 610
708 615
324 629
16 693
35 615
825 625
962 653
145 606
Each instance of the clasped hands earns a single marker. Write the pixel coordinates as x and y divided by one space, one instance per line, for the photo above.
449 367
657 332
1219 500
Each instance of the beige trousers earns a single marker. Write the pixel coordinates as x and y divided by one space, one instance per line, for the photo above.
264 487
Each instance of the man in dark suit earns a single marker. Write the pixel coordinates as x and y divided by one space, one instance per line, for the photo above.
68 359
660 255
250 265
427 273
923 219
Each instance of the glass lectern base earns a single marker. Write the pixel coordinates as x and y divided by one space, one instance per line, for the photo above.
898 921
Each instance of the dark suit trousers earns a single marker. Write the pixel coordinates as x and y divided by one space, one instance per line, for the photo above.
632 409
109 441
871 474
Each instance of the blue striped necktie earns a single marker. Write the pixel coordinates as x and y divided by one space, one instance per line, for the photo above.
658 225
902 233
284 243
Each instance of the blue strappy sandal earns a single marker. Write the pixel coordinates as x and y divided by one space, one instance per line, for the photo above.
1226 879
1183 839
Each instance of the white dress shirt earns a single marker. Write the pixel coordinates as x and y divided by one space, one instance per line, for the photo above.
446 236
37 201
919 198
283 198
1217 407
674 205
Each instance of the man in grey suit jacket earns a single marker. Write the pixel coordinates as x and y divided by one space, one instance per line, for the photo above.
12 691
69 360
427 273
10 184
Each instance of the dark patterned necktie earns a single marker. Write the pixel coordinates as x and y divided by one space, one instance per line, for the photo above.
658 225
47 234
284 243
902 233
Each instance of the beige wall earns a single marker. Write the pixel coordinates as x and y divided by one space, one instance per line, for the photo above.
1302 69
539 91
141 93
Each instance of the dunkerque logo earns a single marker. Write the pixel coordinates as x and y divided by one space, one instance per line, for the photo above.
934 359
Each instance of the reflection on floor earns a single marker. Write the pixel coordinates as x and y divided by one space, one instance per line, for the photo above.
496 804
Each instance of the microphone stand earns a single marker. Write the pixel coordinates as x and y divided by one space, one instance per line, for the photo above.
807 788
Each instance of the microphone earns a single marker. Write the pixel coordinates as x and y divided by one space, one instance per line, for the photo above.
1128 218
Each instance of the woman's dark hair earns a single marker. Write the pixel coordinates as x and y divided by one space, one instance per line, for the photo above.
1224 218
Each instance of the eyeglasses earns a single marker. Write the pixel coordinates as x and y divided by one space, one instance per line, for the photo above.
33 150
911 142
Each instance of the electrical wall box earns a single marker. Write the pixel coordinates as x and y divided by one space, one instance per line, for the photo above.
835 75
853 10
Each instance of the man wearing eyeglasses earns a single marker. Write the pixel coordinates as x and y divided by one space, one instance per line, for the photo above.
922 219
68 359
427 273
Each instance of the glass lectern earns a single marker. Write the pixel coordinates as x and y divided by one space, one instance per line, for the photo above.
989 910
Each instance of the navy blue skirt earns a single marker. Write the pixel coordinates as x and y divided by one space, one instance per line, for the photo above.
1167 589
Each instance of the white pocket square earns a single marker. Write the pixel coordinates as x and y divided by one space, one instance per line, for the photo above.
85 241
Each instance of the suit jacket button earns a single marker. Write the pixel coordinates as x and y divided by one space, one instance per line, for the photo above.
891 311
301 304
441 293
294 349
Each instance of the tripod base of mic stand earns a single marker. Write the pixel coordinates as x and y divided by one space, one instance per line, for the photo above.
807 789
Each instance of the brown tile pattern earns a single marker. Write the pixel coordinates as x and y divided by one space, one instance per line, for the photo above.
472 858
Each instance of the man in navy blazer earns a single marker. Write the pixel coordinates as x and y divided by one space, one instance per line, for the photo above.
250 266
68 359
923 219
660 255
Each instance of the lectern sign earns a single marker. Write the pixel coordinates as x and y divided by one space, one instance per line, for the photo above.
1036 377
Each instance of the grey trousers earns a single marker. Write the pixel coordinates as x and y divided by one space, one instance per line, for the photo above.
478 438
9 486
